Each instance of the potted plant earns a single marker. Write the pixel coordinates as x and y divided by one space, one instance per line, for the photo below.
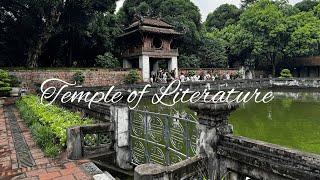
15 84
4 86
285 73
133 77
79 78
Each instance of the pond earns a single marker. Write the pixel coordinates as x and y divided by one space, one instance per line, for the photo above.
292 119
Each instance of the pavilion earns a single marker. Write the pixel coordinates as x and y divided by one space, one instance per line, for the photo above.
148 42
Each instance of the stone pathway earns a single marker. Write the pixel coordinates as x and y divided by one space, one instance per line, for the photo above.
20 158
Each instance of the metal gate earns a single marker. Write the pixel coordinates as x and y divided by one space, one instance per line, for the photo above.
161 138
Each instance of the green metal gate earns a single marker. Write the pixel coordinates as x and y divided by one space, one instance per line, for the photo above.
161 138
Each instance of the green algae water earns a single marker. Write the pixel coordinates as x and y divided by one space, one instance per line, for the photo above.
292 120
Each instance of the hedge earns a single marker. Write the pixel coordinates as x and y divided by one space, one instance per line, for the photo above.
48 123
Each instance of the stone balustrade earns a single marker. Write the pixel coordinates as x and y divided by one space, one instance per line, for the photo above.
236 158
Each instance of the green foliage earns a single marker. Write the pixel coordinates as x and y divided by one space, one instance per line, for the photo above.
5 81
48 122
246 3
304 35
223 16
266 22
56 33
307 5
189 61
78 77
316 11
43 135
212 53
285 73
133 77
239 43
51 150
107 61
191 73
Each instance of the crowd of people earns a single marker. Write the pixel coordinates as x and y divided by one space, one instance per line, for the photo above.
162 76
203 76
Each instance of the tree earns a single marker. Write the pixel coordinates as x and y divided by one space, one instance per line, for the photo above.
307 5
267 24
107 61
305 40
212 53
224 15
88 29
44 32
316 11
238 42
246 3
189 61
303 34
36 20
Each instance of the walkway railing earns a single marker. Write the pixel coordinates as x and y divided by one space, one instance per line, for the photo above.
90 141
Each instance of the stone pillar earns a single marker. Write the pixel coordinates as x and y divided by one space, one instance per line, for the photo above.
173 65
213 122
120 117
74 147
144 65
127 63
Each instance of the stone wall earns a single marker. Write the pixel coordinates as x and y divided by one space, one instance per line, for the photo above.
93 77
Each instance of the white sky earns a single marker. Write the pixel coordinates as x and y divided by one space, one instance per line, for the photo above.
207 6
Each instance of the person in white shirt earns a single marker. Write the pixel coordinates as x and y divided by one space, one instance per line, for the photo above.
182 77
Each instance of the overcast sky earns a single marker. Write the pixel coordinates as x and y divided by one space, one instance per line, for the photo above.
207 6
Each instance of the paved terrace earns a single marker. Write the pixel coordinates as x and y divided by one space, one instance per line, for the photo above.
20 158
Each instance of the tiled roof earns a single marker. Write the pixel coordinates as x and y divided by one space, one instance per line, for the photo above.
150 25
158 30
150 22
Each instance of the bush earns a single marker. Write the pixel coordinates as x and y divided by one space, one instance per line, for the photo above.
48 123
42 135
133 77
191 73
285 73
78 77
107 61
5 81
51 150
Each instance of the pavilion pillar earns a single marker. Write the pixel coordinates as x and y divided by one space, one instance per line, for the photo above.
156 66
127 64
173 65
144 65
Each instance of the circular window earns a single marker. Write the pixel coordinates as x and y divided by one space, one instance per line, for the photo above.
157 42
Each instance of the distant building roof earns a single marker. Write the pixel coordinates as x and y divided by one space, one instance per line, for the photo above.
308 61
153 25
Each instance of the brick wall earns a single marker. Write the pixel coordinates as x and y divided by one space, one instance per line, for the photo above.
93 77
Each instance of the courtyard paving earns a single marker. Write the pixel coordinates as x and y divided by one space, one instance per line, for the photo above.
24 160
